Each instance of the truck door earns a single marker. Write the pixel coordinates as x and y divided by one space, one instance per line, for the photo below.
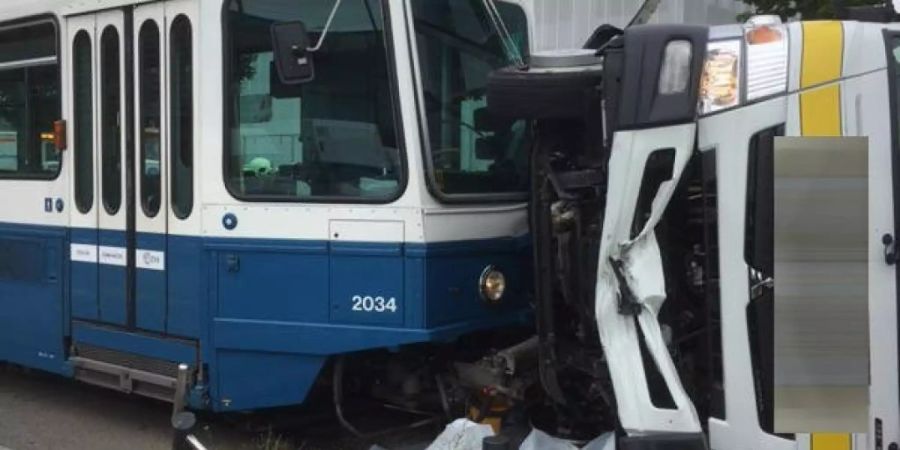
884 187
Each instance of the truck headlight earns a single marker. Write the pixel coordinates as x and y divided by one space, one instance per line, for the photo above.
720 86
492 284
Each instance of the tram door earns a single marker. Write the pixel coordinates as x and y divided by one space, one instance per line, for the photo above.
119 136
151 167
97 111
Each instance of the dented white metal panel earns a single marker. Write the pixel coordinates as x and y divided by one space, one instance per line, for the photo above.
568 23
644 276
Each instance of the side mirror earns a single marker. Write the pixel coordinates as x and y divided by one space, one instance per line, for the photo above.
292 60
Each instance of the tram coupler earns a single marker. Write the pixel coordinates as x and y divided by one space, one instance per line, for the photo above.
181 387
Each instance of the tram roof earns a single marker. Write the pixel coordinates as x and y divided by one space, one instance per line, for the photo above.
16 9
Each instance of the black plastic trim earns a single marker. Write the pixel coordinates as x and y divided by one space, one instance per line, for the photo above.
893 72
642 106
668 441
128 114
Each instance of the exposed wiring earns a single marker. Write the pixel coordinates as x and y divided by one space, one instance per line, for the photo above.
442 390
338 397
338 400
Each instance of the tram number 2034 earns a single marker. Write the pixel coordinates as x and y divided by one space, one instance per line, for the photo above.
370 304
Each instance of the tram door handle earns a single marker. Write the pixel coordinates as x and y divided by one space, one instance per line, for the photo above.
890 249
233 263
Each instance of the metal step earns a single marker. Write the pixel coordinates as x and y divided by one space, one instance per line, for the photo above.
130 373
125 379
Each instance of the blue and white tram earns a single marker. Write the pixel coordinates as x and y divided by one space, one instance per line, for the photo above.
165 199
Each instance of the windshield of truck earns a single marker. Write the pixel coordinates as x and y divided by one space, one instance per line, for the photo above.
332 138
470 152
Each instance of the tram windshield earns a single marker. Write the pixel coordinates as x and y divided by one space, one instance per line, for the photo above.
333 138
459 45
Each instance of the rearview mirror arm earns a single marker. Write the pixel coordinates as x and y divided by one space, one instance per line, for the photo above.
318 46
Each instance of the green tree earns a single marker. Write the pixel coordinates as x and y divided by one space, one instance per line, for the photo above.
806 9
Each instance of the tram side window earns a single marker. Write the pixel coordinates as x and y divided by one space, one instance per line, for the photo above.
182 117
83 122
29 101
151 181
333 138
458 46
110 125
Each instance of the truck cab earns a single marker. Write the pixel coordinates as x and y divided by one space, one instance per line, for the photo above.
654 225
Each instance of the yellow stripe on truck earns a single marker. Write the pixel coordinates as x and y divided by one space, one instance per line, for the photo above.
820 111
822 62
820 115
830 441
823 53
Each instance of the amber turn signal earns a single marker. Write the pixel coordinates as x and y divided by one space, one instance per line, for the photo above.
59 135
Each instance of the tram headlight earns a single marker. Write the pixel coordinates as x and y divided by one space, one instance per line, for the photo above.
492 284
720 85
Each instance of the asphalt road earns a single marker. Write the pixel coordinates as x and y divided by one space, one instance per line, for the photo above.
44 412
39 411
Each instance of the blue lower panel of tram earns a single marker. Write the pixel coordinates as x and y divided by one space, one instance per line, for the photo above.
150 282
84 272
111 275
269 310
187 283
262 315
98 276
32 293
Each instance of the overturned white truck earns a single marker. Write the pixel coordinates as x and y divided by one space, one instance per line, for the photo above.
652 220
